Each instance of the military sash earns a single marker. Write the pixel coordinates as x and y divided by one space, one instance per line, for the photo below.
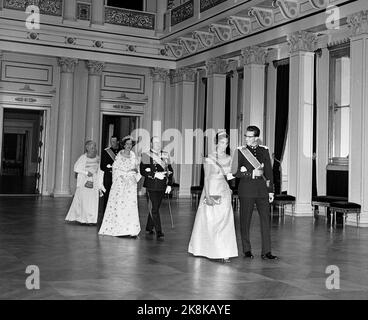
111 153
158 160
250 157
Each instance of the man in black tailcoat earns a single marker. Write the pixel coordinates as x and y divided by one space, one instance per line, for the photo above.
158 178
252 164
107 159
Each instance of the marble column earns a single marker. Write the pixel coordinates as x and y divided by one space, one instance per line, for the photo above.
271 107
323 58
216 86
95 69
98 12
70 10
186 80
159 77
300 130
254 59
64 130
358 151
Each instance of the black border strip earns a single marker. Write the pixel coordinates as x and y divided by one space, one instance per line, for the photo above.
262 31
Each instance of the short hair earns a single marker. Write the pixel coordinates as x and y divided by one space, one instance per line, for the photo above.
114 137
87 143
254 129
221 135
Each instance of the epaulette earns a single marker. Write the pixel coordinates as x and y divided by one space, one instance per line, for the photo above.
107 148
264 147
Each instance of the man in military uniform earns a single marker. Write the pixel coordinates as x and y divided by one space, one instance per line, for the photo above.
107 159
252 164
158 173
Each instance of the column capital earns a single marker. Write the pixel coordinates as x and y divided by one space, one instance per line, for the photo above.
216 66
67 65
358 23
182 74
95 67
253 55
302 41
159 74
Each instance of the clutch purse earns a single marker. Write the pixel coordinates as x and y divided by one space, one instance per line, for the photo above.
215 198
89 184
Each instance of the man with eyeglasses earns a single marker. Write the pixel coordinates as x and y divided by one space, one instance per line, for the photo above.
252 164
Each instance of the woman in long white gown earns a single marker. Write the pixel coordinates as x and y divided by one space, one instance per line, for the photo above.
213 234
121 216
84 208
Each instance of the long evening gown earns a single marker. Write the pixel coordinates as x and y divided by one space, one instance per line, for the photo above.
213 234
121 216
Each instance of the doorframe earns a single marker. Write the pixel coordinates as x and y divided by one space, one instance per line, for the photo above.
139 116
45 136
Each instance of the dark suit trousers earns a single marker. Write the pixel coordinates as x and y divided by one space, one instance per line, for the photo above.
107 184
246 211
156 197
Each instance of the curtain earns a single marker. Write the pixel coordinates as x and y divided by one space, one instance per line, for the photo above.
281 121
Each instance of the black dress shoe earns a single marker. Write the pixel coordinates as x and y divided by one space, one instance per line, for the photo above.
160 235
268 255
248 254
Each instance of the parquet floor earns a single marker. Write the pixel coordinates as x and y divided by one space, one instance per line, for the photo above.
76 263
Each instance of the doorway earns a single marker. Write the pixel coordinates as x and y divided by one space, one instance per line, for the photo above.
117 125
21 169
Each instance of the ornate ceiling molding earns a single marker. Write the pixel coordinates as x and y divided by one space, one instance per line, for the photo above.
206 39
242 24
190 44
216 66
264 16
318 4
254 55
302 41
358 23
67 65
176 49
222 31
290 9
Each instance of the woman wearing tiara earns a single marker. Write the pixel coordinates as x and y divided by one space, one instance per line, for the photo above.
121 216
213 234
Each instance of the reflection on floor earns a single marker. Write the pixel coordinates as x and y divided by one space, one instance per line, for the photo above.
17 185
76 263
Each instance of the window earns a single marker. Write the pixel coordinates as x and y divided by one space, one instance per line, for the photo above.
339 105
132 5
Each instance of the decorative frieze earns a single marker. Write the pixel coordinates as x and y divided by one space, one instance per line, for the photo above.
216 66
254 55
318 4
358 23
302 41
208 4
223 32
67 65
95 67
290 9
159 74
176 49
264 16
190 44
129 18
182 12
49 7
242 24
206 39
